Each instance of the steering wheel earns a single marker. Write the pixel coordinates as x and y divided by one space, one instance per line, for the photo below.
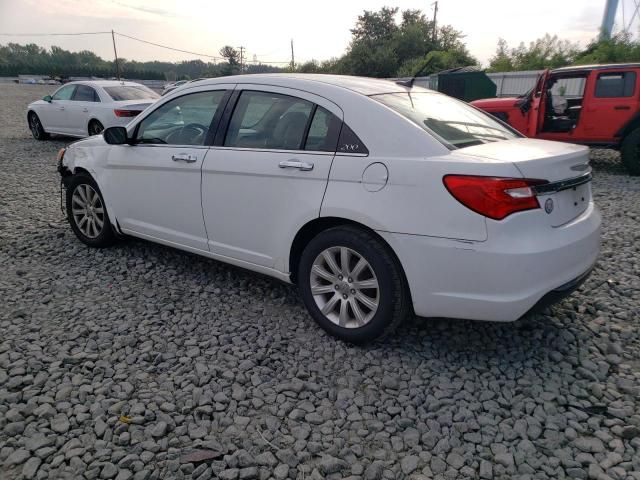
190 134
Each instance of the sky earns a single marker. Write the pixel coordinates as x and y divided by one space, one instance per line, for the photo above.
320 30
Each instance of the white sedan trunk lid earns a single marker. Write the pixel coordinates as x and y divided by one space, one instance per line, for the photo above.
550 161
132 104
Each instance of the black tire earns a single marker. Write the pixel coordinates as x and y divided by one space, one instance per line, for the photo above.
37 130
392 293
95 128
101 236
630 152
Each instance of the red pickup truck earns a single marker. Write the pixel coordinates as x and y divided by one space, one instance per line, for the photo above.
596 105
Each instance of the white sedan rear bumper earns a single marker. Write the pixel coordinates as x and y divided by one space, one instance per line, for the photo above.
500 279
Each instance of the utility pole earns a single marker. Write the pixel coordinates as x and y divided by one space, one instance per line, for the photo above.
609 16
435 18
293 61
241 60
113 38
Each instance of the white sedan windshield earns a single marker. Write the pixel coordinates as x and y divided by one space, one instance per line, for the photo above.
454 123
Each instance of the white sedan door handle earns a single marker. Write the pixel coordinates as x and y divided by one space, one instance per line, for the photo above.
61 108
304 166
85 109
184 157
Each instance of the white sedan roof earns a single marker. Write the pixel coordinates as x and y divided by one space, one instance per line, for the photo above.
104 83
362 85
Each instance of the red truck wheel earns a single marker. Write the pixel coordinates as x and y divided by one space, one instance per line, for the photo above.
630 152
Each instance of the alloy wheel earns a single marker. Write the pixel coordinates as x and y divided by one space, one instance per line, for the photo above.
35 125
95 128
88 210
344 287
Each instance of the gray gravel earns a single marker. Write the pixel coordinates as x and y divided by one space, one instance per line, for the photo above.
142 362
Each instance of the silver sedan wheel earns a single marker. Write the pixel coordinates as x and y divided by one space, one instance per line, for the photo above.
344 287
88 211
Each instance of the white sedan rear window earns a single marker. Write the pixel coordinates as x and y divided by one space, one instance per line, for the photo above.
130 92
454 123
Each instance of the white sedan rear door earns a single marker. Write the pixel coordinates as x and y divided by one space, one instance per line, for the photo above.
81 109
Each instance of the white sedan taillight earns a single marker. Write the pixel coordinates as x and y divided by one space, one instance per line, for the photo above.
126 113
494 197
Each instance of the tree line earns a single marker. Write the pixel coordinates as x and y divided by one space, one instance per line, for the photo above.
32 59
384 43
552 52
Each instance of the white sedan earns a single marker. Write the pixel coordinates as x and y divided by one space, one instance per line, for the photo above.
79 109
377 199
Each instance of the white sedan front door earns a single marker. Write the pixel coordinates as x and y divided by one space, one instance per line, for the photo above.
54 116
153 185
266 176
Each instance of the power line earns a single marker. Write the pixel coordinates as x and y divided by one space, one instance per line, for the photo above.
51 34
169 48
214 57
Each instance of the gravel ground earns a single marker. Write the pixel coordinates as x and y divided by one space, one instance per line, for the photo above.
145 362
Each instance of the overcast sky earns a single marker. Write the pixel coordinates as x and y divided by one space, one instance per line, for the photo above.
320 30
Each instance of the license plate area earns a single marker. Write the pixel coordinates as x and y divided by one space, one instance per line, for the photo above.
565 205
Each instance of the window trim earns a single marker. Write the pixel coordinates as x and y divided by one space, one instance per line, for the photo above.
275 150
211 133
622 73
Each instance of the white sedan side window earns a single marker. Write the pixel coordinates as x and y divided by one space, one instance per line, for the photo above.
65 93
183 121
85 94
268 120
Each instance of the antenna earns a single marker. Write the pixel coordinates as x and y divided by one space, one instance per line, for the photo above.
409 83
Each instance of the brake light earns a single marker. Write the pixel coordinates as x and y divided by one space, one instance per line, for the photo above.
493 197
126 113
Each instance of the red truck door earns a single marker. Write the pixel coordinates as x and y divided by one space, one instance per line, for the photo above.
611 99
536 114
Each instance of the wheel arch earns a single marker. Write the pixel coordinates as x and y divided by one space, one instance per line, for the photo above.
312 228
632 124
30 112
67 173
94 119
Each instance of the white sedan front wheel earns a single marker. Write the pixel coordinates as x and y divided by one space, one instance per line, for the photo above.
87 213
35 125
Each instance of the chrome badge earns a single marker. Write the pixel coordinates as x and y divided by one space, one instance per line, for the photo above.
548 205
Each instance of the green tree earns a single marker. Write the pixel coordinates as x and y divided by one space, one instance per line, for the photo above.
232 56
375 26
382 46
501 61
546 52
619 48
